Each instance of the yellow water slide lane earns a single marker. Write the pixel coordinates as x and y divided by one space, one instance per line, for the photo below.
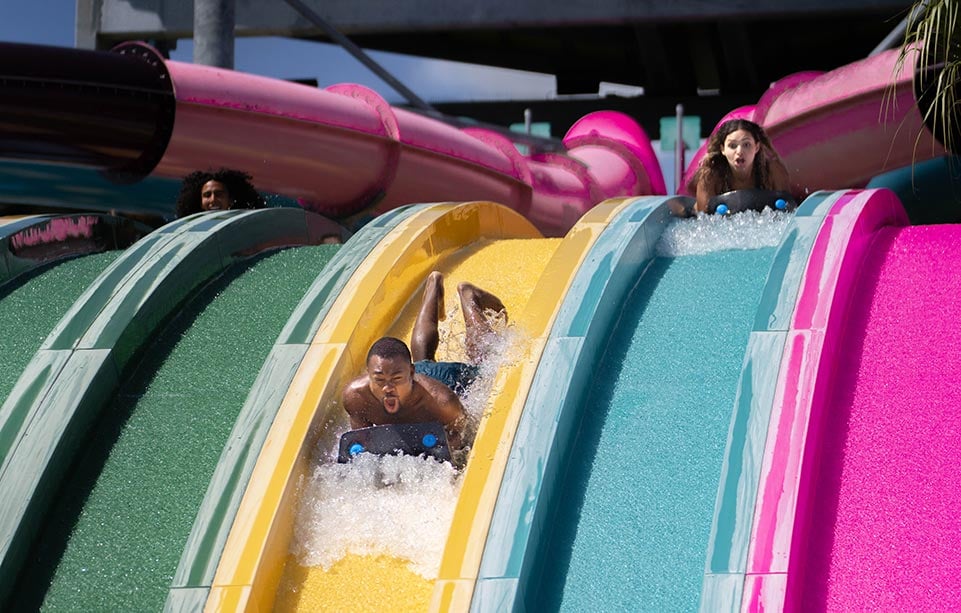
460 564
257 547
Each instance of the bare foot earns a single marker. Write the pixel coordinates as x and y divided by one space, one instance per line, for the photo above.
483 299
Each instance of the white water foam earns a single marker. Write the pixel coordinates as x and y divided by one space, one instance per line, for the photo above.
399 506
711 233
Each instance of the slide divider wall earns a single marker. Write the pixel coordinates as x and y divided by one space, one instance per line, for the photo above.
782 513
758 513
740 473
461 562
549 421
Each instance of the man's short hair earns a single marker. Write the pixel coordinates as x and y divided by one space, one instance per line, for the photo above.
388 348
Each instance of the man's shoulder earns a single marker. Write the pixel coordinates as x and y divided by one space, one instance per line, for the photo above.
356 394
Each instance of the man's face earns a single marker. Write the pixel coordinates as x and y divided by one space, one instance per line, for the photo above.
391 381
214 196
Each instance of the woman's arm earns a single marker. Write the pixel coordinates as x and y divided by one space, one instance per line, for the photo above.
705 191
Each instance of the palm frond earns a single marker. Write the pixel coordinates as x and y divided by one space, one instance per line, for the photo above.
933 29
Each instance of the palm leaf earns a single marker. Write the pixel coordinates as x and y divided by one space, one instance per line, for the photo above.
933 28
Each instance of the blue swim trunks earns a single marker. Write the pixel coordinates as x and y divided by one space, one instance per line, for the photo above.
455 375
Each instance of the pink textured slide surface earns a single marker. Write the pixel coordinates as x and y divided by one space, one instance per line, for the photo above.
886 511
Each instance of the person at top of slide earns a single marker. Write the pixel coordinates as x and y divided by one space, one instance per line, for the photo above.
217 191
404 385
739 156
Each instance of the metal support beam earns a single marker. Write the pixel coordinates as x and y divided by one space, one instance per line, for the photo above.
214 33
360 55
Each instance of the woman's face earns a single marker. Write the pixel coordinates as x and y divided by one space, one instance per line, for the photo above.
740 148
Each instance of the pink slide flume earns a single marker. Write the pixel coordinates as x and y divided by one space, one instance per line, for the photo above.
885 524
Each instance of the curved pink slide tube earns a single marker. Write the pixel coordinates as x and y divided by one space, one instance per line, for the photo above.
345 152
839 129
860 485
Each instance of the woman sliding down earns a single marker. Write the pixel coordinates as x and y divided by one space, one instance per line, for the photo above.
739 156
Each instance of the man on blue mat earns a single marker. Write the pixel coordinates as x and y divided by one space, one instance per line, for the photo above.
404 385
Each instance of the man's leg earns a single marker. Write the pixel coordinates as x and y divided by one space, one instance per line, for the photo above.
474 301
425 338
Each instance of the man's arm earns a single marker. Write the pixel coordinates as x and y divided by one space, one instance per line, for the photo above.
454 418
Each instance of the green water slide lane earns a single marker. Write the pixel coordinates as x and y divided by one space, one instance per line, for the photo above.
32 305
75 373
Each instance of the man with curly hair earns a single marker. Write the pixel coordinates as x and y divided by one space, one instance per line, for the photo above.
217 190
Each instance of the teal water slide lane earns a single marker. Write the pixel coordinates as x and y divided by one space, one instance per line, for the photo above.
77 369
631 509
729 540
609 271
191 582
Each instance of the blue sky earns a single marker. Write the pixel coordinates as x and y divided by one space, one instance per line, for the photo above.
52 22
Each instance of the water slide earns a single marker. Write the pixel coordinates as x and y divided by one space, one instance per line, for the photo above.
342 152
67 395
811 393
761 551
484 243
840 129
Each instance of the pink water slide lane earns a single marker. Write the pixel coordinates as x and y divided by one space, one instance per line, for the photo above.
839 129
345 151
887 499
859 489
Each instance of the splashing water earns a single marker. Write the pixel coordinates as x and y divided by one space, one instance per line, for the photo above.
392 505
400 506
710 233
